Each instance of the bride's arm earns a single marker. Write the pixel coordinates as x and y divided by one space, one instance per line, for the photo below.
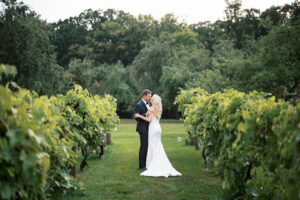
148 118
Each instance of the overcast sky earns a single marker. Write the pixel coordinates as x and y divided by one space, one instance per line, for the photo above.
191 11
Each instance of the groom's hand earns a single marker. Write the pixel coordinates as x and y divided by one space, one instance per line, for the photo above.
148 113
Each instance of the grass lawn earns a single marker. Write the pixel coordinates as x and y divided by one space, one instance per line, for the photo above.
116 175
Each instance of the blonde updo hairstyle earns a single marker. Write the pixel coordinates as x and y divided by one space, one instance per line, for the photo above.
157 106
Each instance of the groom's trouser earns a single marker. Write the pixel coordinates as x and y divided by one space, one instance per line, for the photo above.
143 131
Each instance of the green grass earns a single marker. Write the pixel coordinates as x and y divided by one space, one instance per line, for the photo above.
116 175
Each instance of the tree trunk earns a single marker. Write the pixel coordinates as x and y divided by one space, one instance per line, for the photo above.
85 156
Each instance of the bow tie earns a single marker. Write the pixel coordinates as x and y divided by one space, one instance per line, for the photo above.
147 103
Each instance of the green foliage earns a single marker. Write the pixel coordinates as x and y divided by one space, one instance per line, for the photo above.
38 134
207 34
36 149
189 59
228 71
69 35
22 155
7 70
25 43
210 80
59 143
116 81
90 117
110 51
146 69
187 97
165 64
81 73
253 141
115 35
284 68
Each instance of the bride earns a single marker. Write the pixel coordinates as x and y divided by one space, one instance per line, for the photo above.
157 162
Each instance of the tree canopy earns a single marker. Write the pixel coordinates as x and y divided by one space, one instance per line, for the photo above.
110 51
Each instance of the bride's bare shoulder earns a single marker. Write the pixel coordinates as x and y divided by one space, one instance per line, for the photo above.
151 109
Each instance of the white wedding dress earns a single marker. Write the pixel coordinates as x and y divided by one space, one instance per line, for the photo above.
157 162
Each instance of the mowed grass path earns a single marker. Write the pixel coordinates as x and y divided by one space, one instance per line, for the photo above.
116 175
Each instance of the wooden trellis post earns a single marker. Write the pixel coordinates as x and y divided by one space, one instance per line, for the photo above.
286 96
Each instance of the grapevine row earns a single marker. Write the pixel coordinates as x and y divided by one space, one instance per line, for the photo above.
252 139
38 135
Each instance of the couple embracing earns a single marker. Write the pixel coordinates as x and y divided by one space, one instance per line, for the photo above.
152 156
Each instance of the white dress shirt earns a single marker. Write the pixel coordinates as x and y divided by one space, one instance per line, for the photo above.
147 105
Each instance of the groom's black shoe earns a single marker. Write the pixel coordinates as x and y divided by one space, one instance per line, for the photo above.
143 168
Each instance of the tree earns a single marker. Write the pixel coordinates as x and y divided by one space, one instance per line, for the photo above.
82 73
69 35
280 59
146 69
207 33
118 39
117 83
25 43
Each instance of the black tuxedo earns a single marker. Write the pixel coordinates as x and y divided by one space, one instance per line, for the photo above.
142 128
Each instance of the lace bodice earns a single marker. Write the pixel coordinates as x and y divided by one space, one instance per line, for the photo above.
154 119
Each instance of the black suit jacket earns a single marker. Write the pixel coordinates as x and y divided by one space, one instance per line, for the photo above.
141 108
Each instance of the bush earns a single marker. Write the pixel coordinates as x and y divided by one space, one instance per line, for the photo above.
37 135
254 142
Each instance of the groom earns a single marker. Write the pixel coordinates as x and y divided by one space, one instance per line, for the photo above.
142 108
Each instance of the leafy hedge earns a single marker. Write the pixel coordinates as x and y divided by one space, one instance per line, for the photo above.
252 139
90 117
37 137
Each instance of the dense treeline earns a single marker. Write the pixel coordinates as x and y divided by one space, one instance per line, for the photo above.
251 139
114 52
39 137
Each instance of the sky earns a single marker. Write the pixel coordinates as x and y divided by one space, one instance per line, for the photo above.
190 11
